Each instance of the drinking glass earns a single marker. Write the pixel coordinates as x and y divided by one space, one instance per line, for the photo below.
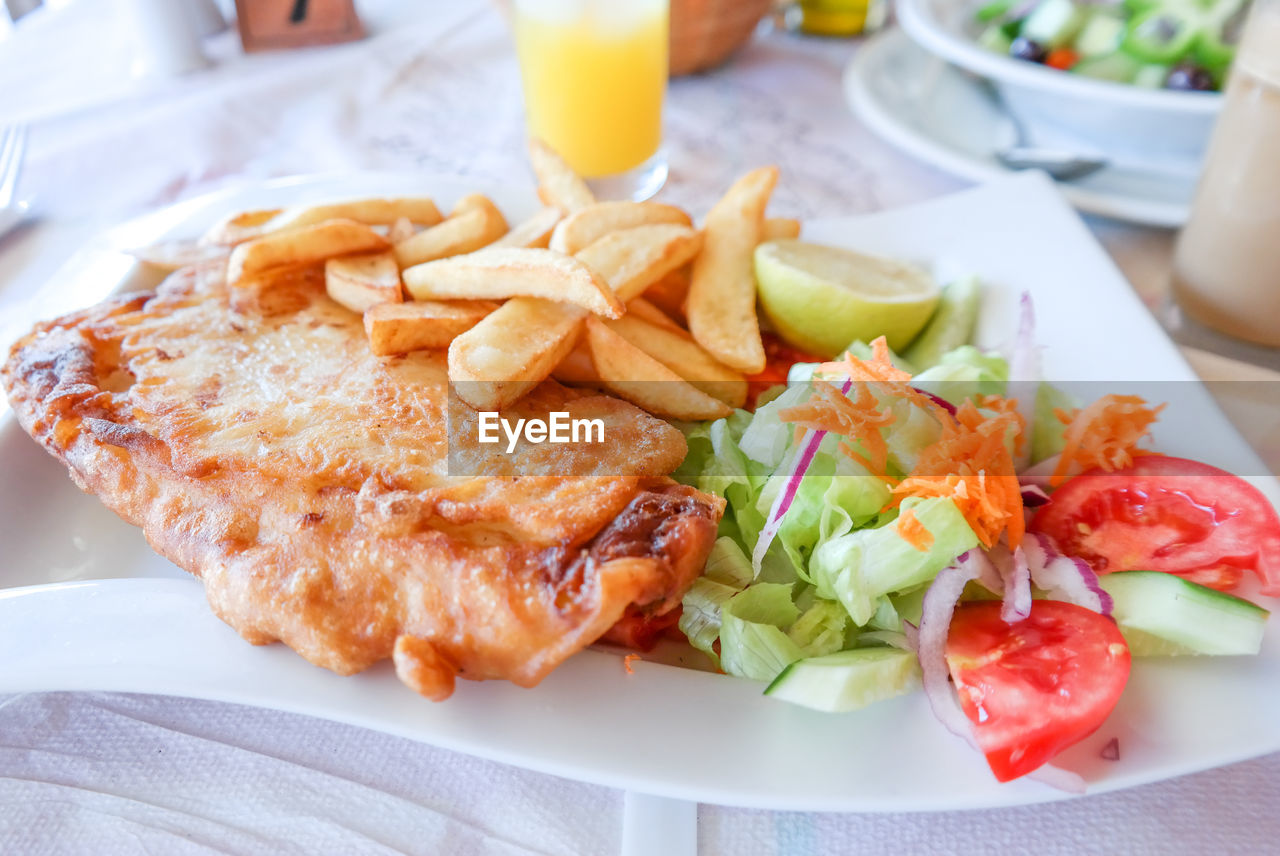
595 76
1227 260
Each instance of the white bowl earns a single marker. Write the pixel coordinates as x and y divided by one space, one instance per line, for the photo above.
1157 128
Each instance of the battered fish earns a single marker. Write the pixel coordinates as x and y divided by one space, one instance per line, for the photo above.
262 447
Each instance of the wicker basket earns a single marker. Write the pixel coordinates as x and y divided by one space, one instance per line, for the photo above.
705 32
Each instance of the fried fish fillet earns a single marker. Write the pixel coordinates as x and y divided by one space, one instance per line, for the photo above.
262 447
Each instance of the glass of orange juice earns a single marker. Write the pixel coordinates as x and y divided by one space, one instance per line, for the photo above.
595 75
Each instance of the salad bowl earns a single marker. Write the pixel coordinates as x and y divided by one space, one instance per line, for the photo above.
1159 129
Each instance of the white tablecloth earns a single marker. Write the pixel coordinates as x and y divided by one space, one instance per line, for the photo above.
439 92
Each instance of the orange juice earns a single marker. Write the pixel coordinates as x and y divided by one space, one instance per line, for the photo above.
595 72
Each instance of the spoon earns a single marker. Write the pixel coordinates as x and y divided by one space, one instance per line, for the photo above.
1060 164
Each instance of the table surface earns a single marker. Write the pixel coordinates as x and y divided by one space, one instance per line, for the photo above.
435 89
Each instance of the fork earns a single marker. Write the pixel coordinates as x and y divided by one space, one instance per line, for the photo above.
13 145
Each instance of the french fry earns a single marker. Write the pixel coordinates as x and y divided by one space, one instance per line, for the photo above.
302 246
505 272
472 202
398 328
631 374
576 368
676 350
401 230
588 225
240 227
476 225
721 306
512 350
669 293
775 228
646 311
633 259
534 233
358 282
558 185
373 212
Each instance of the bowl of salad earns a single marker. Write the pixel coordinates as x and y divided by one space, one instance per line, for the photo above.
1135 80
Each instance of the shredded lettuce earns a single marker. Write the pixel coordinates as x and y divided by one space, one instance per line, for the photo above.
858 568
753 643
964 373
1048 437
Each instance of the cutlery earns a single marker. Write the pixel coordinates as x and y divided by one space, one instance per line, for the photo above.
1060 164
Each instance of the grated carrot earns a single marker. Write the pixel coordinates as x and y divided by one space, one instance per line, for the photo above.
627 661
1000 404
970 465
1105 434
858 417
913 531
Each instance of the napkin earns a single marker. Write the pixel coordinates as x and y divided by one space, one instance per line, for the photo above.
114 773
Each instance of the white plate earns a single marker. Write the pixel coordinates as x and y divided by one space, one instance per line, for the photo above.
84 604
939 114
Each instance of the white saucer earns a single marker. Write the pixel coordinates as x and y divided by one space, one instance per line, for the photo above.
937 113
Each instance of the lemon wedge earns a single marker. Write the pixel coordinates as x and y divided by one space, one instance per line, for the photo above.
821 298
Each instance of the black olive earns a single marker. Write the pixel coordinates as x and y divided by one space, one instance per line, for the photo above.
1189 78
1024 48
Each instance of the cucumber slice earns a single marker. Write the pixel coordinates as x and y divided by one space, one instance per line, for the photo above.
1163 35
1054 23
993 38
1116 67
1152 76
847 680
1164 615
1101 35
950 326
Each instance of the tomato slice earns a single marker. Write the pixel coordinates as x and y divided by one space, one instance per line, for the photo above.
1167 514
1037 686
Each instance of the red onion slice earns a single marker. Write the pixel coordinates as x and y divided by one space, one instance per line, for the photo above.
812 440
986 573
935 619
1065 577
1024 373
1038 474
1033 496
1017 591
938 400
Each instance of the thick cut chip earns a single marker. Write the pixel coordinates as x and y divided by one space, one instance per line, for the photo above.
630 373
721 306
676 350
643 309
475 223
512 350
240 227
776 228
302 246
498 273
358 282
670 293
587 225
558 185
398 328
310 485
634 259
375 212
534 233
